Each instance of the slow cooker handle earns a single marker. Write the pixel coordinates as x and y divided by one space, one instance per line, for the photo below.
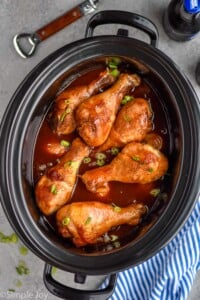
68 293
125 18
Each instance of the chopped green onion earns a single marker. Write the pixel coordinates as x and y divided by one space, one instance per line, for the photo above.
150 170
22 268
115 72
114 62
53 270
114 150
68 110
53 189
135 158
126 99
11 290
64 114
23 250
65 143
5 239
100 162
67 101
155 192
116 208
116 244
13 238
100 156
127 118
112 65
87 160
66 221
113 237
89 219
71 163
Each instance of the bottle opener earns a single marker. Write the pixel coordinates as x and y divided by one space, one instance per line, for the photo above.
33 39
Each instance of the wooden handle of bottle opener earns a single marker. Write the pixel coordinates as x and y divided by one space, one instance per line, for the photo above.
59 23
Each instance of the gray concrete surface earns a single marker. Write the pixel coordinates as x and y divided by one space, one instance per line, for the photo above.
18 16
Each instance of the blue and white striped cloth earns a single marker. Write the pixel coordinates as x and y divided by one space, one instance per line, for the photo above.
168 275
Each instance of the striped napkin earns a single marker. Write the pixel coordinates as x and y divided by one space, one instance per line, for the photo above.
169 274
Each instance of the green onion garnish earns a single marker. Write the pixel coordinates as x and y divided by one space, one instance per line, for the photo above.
114 150
67 101
23 250
100 162
53 270
155 192
89 219
113 237
53 189
135 158
65 143
100 156
114 62
87 160
150 170
71 163
126 99
116 208
64 114
13 238
22 268
116 244
112 65
115 72
127 118
5 239
66 221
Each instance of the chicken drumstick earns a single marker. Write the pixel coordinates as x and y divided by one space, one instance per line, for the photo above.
96 115
86 222
136 163
55 188
131 125
62 116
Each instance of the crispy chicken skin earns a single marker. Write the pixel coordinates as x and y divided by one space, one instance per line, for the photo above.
96 115
136 163
54 189
62 116
86 222
132 124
